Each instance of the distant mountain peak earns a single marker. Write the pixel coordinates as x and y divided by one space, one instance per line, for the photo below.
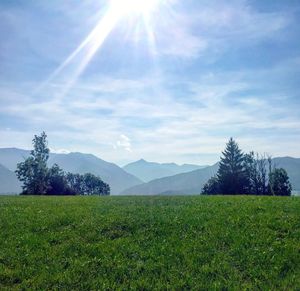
147 171
169 164
76 162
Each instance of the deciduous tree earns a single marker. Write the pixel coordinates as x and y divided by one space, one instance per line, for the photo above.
211 187
279 183
33 172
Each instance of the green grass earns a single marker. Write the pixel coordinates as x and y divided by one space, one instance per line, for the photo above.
149 243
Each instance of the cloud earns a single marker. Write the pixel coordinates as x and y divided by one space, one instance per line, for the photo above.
190 104
163 127
59 151
124 142
191 30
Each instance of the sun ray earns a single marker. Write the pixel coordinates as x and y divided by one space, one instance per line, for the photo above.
97 38
91 44
117 10
150 36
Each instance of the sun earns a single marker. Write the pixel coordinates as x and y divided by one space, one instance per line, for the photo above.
133 7
116 10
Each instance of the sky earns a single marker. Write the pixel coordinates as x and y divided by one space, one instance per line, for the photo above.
166 81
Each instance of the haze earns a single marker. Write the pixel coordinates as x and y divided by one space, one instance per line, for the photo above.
170 83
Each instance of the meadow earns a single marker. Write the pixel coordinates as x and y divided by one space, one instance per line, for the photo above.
194 242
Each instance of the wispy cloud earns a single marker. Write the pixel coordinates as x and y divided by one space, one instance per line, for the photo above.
184 109
123 142
213 27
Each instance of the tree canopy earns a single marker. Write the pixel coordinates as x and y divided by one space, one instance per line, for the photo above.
231 173
279 183
38 179
251 173
33 172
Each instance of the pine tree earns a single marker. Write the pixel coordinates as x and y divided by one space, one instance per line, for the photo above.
231 173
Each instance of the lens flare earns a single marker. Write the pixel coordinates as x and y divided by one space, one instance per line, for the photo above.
126 7
116 11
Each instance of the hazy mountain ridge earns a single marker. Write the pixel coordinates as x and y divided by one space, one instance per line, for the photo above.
9 157
184 183
116 177
148 171
122 182
292 166
9 184
192 182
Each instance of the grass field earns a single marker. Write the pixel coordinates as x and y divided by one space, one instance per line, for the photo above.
149 243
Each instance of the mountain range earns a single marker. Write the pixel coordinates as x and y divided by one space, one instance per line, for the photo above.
292 166
138 178
147 171
184 183
9 184
192 182
116 177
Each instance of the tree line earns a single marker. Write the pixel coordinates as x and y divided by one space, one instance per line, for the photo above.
250 173
38 179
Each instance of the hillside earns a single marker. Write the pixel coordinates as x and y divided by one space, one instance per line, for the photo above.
192 182
116 177
149 243
292 166
124 183
186 183
147 171
9 184
9 157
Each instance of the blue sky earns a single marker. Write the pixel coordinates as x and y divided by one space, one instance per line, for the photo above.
170 84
